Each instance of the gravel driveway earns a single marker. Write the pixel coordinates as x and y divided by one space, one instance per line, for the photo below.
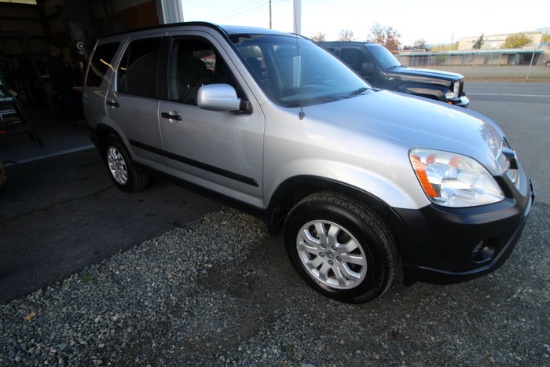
219 292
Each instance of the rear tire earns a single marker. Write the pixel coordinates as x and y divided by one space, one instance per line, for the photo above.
121 167
340 247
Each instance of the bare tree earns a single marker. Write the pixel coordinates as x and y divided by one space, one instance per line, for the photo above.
421 44
386 36
346 35
376 34
319 37
418 45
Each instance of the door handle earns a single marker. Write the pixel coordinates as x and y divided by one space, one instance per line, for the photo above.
171 116
113 104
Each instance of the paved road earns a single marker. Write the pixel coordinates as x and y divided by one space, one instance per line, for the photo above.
523 111
518 73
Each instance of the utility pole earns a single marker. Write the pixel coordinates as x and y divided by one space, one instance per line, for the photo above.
269 14
298 16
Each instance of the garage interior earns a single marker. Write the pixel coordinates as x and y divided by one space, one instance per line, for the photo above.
31 125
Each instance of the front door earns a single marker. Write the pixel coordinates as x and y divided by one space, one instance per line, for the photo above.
221 151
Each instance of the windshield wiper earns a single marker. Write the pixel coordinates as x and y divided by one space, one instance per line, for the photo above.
358 91
312 101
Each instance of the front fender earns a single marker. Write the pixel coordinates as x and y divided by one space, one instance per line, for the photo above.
385 188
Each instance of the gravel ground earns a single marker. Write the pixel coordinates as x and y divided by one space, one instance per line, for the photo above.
219 291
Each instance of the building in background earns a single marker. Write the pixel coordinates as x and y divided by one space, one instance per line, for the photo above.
536 52
496 41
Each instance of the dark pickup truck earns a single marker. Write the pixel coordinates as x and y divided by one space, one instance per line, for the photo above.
382 70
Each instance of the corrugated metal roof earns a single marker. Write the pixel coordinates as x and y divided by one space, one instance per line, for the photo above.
28 2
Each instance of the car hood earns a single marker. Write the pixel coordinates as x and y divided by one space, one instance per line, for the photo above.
425 73
411 122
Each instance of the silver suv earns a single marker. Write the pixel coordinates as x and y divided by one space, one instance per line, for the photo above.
365 184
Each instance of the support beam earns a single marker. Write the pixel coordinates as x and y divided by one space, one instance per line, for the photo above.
298 16
170 11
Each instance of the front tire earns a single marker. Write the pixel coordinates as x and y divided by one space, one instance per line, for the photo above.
340 247
121 168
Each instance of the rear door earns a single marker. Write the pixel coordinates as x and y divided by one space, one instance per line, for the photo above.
133 99
221 151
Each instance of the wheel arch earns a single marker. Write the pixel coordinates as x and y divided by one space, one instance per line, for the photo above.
294 189
100 135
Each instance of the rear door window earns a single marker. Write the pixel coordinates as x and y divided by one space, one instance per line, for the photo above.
137 73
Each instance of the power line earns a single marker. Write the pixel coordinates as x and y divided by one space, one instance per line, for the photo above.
242 10
246 8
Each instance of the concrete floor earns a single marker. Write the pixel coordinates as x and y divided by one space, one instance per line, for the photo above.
57 137
60 212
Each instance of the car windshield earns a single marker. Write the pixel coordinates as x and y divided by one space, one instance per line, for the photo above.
294 71
385 58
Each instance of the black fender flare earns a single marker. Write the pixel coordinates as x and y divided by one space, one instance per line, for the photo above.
433 91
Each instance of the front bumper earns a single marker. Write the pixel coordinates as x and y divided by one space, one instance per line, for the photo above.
462 101
450 245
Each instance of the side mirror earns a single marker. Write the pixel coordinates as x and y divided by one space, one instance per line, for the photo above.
218 97
367 68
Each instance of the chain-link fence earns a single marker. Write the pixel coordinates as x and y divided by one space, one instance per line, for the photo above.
504 64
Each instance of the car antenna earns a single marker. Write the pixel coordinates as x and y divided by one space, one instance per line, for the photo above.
302 113
298 71
298 63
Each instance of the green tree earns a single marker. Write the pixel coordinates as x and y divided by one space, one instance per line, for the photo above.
346 35
385 36
516 40
479 43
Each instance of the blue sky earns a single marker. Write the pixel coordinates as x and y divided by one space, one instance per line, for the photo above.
436 21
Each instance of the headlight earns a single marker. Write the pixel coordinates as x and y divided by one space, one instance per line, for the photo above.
454 180
455 93
456 89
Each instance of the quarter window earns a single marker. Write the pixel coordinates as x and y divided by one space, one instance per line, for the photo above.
100 63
